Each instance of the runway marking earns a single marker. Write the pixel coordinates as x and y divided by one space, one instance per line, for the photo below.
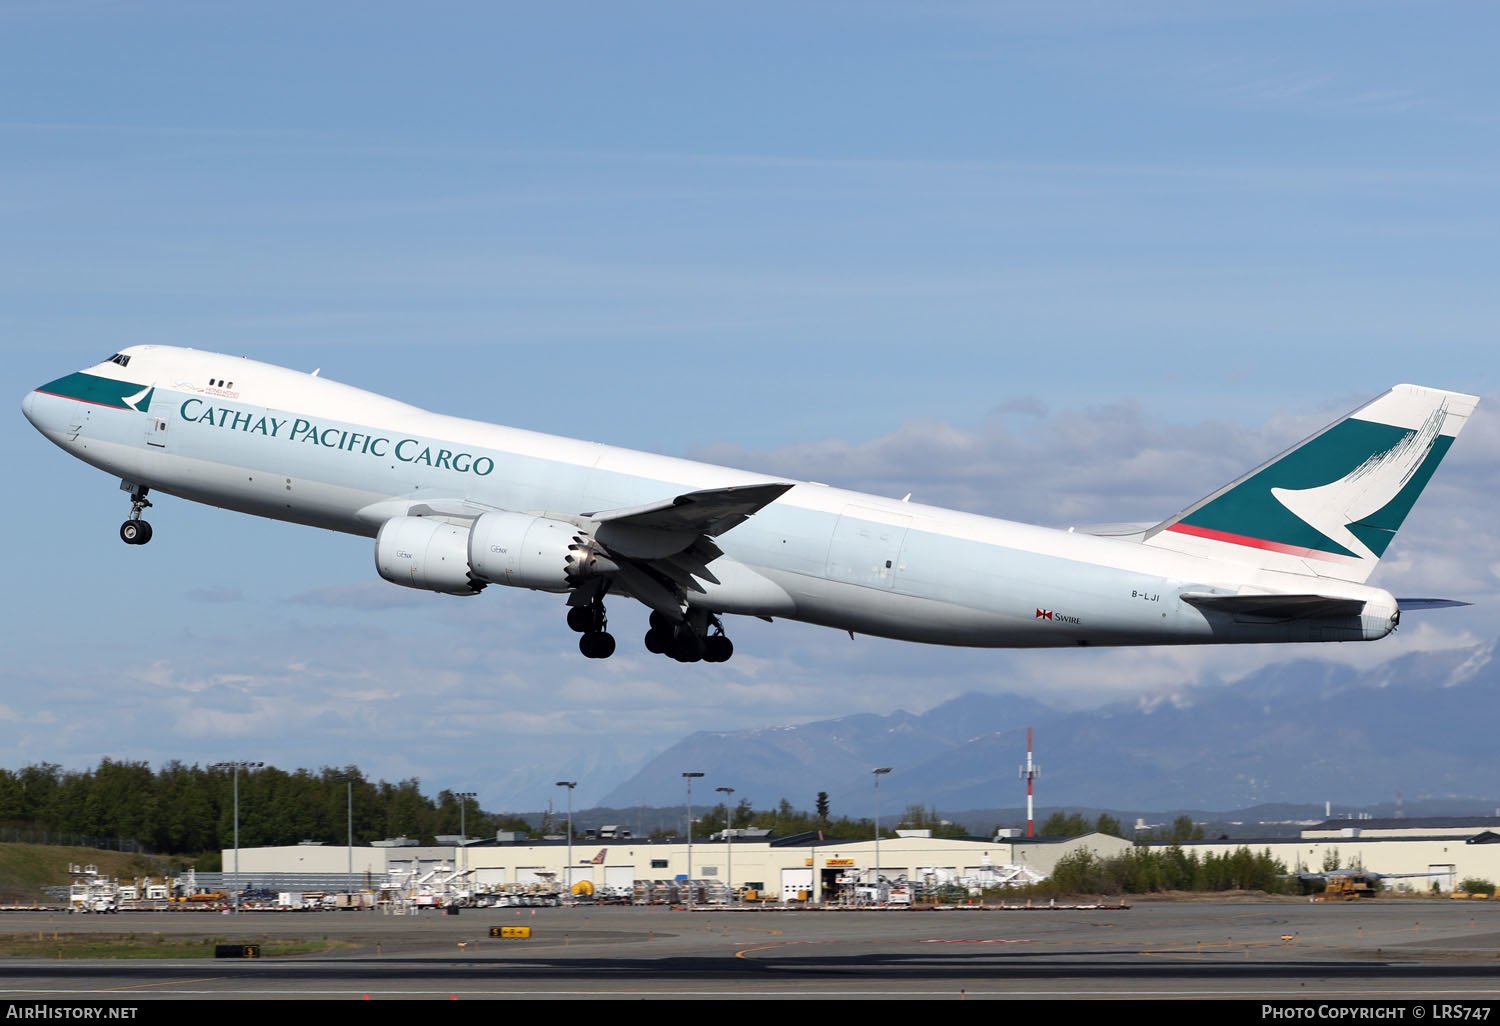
782 944
1311 943
960 940
166 983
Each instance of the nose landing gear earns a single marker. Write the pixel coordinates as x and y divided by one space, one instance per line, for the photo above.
136 531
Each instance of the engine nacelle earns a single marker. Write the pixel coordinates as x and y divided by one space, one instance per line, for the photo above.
523 551
417 552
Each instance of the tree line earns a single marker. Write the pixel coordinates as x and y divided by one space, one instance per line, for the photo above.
784 819
186 810
189 810
1061 824
180 809
1152 870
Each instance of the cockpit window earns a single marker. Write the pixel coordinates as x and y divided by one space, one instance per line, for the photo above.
121 359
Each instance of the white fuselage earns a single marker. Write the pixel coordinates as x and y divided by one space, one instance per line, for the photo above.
284 444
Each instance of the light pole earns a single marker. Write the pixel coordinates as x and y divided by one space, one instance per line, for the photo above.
349 786
236 767
568 872
463 825
690 777
728 793
882 771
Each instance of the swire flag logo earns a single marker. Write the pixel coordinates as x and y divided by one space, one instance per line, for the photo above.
1044 614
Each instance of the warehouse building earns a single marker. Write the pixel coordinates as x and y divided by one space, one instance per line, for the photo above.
1451 849
786 866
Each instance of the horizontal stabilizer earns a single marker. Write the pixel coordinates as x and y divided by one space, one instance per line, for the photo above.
1289 607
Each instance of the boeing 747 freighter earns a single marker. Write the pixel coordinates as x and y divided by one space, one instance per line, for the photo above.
455 505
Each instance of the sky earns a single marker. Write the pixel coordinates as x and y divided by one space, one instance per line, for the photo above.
1062 262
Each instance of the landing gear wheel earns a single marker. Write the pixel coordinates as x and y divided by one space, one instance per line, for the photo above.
135 532
657 640
717 649
597 645
591 622
686 647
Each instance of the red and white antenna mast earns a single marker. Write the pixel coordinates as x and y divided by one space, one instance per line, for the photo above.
1029 773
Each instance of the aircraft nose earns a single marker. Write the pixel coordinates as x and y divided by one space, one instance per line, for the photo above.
26 407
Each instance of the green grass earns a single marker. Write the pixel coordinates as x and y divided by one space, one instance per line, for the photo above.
26 868
56 944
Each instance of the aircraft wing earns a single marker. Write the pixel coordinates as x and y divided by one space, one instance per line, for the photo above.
711 511
664 548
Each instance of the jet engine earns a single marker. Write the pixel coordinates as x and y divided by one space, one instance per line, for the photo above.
418 552
524 551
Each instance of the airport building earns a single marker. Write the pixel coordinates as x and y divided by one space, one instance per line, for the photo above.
1439 851
1444 850
782 866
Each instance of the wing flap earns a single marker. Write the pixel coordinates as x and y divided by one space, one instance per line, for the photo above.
664 548
688 562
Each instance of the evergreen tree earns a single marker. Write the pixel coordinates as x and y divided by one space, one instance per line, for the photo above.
1061 824
1109 825
1184 830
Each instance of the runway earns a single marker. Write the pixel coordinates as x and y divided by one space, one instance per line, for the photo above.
1267 950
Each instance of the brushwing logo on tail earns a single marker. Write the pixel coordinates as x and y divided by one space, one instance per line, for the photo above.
1331 505
1355 498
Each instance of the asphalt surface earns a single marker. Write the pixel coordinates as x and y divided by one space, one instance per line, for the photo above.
1437 950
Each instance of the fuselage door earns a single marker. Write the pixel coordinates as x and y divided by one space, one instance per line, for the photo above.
156 431
866 546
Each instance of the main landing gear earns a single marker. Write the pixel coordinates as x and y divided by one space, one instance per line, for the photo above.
590 621
687 641
700 637
136 531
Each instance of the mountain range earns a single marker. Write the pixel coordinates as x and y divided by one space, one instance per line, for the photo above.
1300 731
